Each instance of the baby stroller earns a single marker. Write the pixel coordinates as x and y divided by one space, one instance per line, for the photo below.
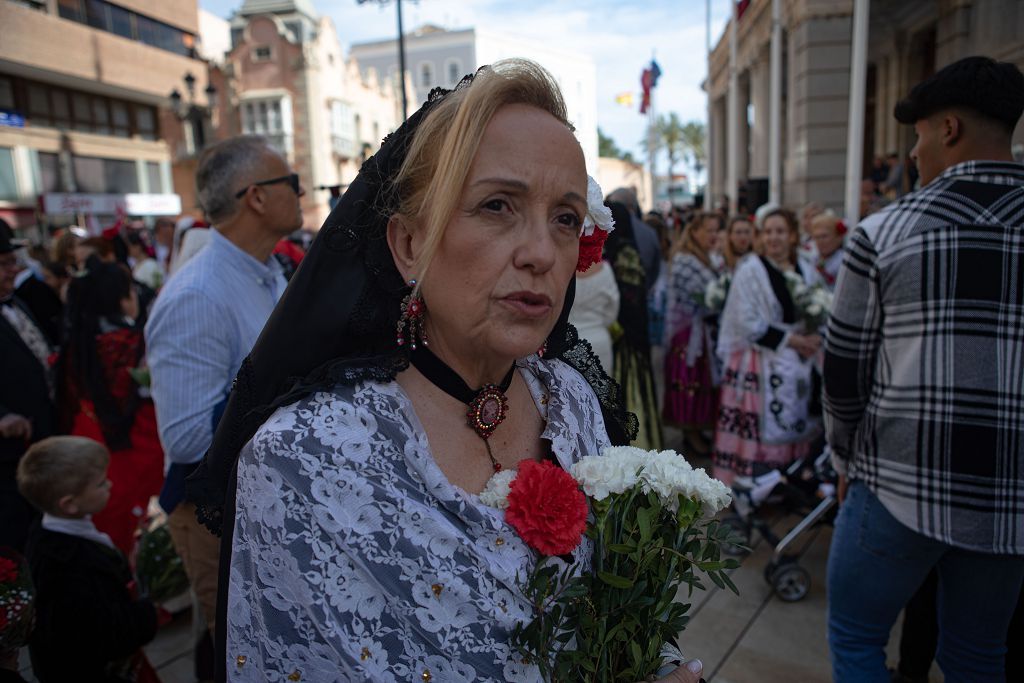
806 487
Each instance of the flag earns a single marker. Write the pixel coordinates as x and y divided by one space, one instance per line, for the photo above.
655 73
625 99
647 82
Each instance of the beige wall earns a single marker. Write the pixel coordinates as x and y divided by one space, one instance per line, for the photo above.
615 173
46 47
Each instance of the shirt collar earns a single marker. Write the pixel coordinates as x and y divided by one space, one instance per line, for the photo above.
266 272
1005 172
83 528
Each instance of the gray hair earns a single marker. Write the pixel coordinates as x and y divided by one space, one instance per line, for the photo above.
223 168
625 195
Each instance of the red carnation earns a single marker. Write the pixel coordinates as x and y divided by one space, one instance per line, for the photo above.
8 570
546 508
591 247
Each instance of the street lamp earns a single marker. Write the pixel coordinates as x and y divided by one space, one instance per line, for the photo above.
401 53
192 113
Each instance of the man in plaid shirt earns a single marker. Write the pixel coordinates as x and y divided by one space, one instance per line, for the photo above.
924 387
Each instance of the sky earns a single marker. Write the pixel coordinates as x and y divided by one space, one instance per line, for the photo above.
621 36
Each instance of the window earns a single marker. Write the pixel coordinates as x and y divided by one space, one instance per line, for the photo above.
105 16
427 75
121 22
145 122
237 35
272 118
156 183
96 14
105 176
261 54
70 9
8 184
119 119
81 113
101 115
6 93
49 172
454 72
61 108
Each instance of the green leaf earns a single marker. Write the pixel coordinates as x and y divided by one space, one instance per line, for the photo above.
622 548
614 580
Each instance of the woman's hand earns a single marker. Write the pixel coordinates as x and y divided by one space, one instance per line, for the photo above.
805 344
687 673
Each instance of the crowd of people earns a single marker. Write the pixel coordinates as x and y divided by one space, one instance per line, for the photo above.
315 417
707 367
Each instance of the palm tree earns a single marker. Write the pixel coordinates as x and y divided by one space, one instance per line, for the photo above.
694 142
668 134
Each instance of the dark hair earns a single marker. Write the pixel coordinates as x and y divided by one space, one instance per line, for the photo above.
792 222
92 297
992 89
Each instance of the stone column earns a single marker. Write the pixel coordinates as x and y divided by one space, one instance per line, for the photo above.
743 133
718 150
759 95
818 106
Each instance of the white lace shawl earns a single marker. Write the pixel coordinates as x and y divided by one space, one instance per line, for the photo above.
354 558
752 307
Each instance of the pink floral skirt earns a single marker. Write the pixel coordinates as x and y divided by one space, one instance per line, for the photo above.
691 397
738 445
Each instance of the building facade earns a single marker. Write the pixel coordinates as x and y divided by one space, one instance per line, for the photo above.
907 42
286 77
438 57
83 106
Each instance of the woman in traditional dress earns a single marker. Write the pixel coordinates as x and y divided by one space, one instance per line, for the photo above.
632 364
767 387
690 393
829 233
356 544
104 394
738 242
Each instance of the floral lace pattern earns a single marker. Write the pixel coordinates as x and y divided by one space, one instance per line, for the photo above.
354 558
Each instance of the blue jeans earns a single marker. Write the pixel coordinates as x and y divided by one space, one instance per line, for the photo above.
876 564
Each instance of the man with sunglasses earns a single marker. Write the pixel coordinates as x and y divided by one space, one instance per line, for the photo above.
206 320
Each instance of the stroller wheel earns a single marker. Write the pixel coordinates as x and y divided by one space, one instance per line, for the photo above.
791 582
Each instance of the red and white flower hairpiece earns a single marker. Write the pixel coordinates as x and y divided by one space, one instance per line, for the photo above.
596 227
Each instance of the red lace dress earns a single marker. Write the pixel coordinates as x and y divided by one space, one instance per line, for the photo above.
137 472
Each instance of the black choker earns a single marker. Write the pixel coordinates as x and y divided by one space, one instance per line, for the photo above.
488 405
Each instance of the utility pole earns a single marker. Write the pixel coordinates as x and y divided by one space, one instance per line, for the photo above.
401 53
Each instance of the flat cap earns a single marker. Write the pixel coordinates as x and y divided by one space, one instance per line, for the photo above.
993 89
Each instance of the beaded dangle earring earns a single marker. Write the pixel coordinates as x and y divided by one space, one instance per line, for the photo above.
412 317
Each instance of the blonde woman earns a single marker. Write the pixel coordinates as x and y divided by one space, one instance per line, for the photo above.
690 394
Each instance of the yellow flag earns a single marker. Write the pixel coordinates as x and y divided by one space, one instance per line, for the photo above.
625 99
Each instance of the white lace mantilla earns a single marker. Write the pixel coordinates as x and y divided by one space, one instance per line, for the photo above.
354 558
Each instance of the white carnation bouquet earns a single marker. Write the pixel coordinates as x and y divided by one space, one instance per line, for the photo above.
652 527
716 292
813 302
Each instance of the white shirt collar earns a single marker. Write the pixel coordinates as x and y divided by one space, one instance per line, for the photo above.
83 528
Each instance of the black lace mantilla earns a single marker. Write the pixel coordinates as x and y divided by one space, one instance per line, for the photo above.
335 324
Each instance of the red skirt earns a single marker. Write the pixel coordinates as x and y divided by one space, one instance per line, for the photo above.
136 473
691 398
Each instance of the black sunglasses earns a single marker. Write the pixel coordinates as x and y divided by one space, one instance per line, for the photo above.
292 179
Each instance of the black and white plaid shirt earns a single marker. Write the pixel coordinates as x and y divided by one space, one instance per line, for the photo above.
924 364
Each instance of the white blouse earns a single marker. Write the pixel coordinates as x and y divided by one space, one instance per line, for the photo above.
594 309
354 558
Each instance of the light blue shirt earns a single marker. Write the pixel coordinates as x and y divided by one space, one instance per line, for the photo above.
202 326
